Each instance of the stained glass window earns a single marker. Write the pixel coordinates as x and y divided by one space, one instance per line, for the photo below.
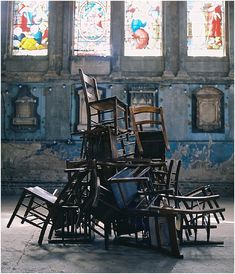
92 28
30 28
205 28
143 28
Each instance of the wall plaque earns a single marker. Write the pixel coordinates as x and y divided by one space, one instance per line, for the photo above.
25 115
208 110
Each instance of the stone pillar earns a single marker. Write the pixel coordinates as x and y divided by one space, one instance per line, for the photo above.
54 38
117 36
167 38
182 15
68 7
6 11
230 39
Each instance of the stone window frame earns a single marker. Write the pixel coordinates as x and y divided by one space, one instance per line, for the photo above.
60 62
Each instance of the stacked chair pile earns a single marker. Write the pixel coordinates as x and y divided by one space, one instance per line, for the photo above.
121 189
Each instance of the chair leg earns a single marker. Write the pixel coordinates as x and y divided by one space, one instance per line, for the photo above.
115 119
16 208
180 232
208 228
173 237
28 209
106 235
41 236
195 228
51 232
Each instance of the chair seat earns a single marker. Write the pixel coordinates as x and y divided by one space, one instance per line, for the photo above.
107 104
42 193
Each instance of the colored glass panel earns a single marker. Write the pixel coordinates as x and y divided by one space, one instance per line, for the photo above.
205 28
143 28
92 28
30 28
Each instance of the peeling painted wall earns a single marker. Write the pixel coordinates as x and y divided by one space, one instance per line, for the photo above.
204 162
36 162
39 157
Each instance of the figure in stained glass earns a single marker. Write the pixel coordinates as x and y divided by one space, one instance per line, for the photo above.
30 28
143 23
92 28
205 35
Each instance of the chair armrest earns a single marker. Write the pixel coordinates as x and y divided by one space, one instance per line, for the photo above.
195 191
169 210
75 169
128 180
191 198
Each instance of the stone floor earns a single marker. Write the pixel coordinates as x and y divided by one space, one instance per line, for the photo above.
20 252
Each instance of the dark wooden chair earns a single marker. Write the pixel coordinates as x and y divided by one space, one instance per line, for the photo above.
194 213
108 111
172 180
162 176
206 191
122 207
40 208
149 128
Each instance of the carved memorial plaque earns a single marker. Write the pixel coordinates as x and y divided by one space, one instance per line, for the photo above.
208 109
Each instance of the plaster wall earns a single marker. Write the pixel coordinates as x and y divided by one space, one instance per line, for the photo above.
38 157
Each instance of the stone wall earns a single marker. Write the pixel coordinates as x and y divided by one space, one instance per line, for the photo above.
38 156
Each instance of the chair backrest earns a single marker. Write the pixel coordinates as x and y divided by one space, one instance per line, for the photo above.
91 94
174 177
89 86
128 184
146 115
70 192
141 116
124 193
169 173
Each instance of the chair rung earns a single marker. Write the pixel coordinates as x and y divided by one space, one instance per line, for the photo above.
198 226
37 214
28 221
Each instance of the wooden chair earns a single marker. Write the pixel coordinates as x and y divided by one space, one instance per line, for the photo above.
173 177
149 128
162 177
194 213
98 109
39 208
202 191
122 207
103 145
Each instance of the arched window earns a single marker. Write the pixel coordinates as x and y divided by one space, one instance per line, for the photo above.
143 28
92 28
206 28
30 28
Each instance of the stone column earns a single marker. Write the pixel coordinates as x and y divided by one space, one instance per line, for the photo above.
68 7
167 39
55 13
6 38
230 39
117 36
182 15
